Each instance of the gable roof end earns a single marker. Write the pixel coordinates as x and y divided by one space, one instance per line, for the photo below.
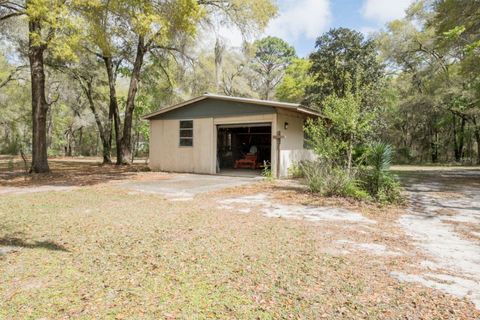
283 105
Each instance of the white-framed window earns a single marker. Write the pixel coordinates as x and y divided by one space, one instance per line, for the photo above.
186 133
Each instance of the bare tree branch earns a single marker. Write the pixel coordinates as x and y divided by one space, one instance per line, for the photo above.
11 76
9 9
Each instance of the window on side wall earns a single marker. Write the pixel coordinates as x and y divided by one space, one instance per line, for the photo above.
186 133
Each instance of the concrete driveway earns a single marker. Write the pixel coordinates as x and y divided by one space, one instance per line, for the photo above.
185 186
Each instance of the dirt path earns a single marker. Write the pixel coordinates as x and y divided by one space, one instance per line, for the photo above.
444 222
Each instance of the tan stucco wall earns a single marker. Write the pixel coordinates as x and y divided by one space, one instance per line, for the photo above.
245 119
167 155
291 147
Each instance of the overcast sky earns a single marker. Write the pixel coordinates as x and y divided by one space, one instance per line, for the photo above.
300 22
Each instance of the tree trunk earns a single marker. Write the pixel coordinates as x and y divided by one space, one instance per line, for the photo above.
69 149
455 142
135 144
434 154
459 139
39 102
113 112
68 136
477 137
219 49
266 95
461 143
434 146
349 155
104 133
80 142
130 105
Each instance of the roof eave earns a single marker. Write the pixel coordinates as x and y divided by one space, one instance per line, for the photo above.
308 111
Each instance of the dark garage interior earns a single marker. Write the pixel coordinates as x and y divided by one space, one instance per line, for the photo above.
243 147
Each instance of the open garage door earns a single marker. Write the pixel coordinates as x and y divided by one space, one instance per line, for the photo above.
243 149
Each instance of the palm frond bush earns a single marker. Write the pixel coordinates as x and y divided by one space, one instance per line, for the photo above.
376 177
379 156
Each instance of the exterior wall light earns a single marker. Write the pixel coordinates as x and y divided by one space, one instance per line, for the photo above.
285 125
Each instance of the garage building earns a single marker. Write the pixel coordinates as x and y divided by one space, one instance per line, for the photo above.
214 134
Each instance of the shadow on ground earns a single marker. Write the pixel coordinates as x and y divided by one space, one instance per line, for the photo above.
66 173
439 180
18 242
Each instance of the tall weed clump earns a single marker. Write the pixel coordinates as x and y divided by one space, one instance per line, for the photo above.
329 180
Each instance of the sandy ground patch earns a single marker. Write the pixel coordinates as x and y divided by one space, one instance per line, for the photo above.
441 220
273 209
433 222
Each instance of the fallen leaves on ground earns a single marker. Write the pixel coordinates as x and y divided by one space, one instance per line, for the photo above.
132 256
73 172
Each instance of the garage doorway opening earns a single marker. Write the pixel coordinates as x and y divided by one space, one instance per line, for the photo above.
243 149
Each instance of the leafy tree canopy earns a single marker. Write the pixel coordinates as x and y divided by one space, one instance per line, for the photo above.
342 58
295 81
272 56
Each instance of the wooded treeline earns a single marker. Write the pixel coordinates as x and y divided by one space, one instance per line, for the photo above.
76 76
434 55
